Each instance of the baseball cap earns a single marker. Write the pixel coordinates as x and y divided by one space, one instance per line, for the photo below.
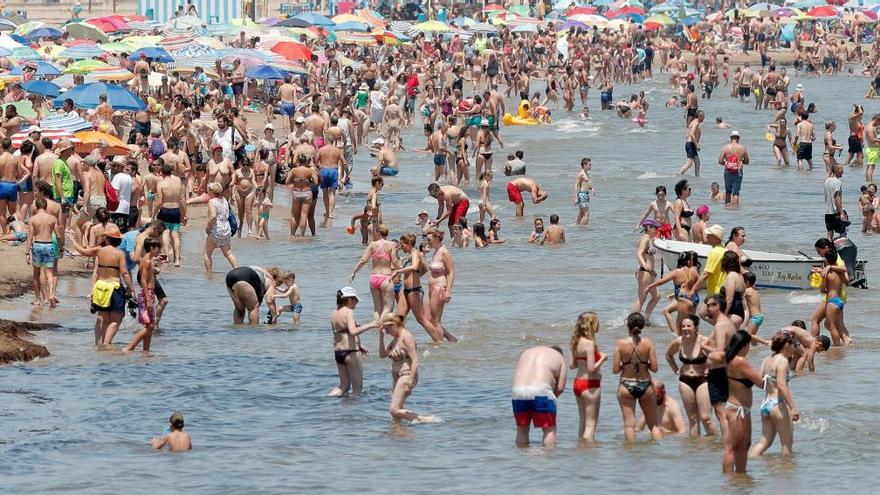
349 291
734 134
216 147
34 128
300 119
269 126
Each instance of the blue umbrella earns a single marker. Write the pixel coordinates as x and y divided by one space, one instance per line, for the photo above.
41 87
352 26
5 52
44 32
294 22
156 53
86 96
19 39
316 19
43 69
264 72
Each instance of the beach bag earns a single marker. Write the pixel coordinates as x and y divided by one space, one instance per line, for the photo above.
233 222
112 196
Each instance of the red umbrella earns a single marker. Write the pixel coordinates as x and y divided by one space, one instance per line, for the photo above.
292 50
823 11
631 9
652 26
80 42
494 6
581 10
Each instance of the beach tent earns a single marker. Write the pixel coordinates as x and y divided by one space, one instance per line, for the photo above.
210 11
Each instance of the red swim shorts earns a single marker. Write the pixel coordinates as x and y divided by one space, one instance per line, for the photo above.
665 231
459 210
513 193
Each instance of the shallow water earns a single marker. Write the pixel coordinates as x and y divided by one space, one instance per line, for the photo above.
254 402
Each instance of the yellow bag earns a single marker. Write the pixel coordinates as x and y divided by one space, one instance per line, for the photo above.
815 280
769 136
102 292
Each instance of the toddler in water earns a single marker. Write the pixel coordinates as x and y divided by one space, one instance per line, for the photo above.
264 205
753 303
175 438
293 295
537 237
715 193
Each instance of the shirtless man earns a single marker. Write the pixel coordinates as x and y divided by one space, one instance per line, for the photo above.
42 189
804 139
437 145
854 143
692 145
40 253
331 166
179 161
554 233
93 191
583 189
315 123
745 83
452 203
691 107
392 119
287 100
386 160
170 198
8 183
518 186
12 123
538 380
872 154
734 156
237 80
43 163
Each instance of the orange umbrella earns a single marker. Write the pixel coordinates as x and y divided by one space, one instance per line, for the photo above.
91 140
292 50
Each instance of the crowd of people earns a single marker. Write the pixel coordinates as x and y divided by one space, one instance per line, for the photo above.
193 144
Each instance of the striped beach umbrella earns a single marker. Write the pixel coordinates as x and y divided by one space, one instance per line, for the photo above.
112 73
54 134
80 52
171 43
84 66
81 30
70 122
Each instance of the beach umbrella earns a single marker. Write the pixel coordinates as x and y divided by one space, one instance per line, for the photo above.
294 22
589 19
432 27
573 25
185 22
177 42
662 19
41 87
44 32
82 51
823 12
6 41
112 73
84 66
81 30
302 32
315 19
144 25
581 10
109 24
141 41
806 4
5 52
43 69
463 21
788 12
25 53
249 58
24 28
338 19
357 26
195 51
86 96
372 17
24 108
493 8
210 42
520 9
54 134
89 140
292 50
362 39
7 24
264 72
118 47
70 122
288 66
525 28
156 53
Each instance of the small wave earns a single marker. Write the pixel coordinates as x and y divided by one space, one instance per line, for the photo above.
429 200
811 423
804 298
573 126
428 420
642 130
651 175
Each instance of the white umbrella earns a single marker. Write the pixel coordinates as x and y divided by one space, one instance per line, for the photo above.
525 28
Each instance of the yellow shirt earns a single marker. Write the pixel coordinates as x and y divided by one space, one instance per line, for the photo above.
713 267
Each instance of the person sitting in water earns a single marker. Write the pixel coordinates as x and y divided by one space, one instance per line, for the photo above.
720 124
515 164
641 119
386 160
176 439
669 415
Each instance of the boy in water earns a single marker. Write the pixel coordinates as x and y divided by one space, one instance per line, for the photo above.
176 439
753 302
515 164
146 300
293 295
264 204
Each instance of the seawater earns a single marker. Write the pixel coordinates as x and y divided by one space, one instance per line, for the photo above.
254 398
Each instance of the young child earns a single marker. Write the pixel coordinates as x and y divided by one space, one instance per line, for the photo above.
423 224
515 164
363 218
264 205
715 193
641 119
753 302
537 237
293 295
585 115
18 231
146 300
176 439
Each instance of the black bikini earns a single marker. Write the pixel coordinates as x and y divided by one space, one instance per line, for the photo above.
693 382
341 356
636 388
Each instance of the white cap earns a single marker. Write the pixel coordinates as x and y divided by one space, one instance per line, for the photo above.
717 231
34 128
349 292
799 87
379 140
300 119
269 126
734 134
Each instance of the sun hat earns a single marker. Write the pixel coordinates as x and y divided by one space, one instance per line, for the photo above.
702 210
716 230
349 291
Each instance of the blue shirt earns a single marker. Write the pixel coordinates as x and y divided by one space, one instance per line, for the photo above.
128 245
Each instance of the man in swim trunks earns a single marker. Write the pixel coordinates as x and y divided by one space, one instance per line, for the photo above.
854 142
331 165
538 380
170 197
386 160
287 97
717 374
451 199
872 153
805 137
237 80
9 166
40 252
692 145
437 144
518 186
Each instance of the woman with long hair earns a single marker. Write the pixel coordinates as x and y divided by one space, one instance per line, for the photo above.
383 255
683 278
347 347
412 272
404 366
218 228
778 412
682 210
300 178
586 358
441 278
635 358
692 386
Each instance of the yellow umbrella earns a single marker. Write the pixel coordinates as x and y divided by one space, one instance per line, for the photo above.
662 19
51 51
300 31
347 17
433 27
141 41
84 66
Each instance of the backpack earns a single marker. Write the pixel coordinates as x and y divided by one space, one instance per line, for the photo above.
112 196
732 164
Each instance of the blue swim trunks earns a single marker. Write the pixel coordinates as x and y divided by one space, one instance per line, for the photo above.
9 191
329 178
288 108
297 308
388 171
43 254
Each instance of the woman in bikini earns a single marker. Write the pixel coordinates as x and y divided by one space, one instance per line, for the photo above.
383 255
734 288
692 386
831 147
347 343
442 276
483 148
586 359
683 279
646 274
635 357
832 288
300 179
412 272
244 190
682 210
404 366
781 136
778 412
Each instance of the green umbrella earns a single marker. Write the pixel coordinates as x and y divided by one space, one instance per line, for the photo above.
84 67
118 47
26 53
25 109
83 31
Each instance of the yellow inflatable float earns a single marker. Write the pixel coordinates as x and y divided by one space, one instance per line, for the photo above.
523 115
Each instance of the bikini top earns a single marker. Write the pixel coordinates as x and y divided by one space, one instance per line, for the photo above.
437 268
701 358
380 253
686 213
398 354
596 355
637 364
744 381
